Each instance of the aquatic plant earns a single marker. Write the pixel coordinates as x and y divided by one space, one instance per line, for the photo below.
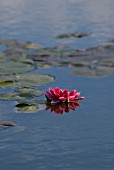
58 95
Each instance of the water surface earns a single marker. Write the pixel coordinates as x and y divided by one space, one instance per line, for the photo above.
82 139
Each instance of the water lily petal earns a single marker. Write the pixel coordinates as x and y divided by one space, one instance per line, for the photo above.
62 99
77 94
53 93
81 98
70 98
48 95
65 93
58 95
56 89
72 92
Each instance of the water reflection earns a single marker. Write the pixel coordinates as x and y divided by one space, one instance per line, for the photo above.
45 21
60 108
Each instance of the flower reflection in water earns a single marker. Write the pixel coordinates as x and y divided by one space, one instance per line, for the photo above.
60 108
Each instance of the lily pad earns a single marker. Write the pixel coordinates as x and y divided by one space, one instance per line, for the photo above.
11 67
67 35
7 123
21 58
8 42
25 80
18 44
76 34
97 71
28 107
2 57
80 35
22 94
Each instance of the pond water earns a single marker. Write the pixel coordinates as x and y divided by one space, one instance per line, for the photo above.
82 139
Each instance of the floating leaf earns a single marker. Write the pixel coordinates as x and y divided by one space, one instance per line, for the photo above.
80 35
8 42
22 94
7 123
96 71
32 46
29 93
18 44
6 82
112 40
76 34
11 67
25 80
27 107
61 47
21 58
67 35
13 51
2 57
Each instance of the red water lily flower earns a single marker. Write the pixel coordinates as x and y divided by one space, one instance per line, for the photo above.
58 95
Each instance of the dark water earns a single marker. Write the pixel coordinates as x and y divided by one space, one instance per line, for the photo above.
82 139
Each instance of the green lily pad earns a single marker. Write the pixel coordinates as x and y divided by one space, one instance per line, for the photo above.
11 67
22 94
2 57
97 71
76 34
8 42
6 83
21 58
25 80
67 35
80 35
7 123
18 44
28 107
